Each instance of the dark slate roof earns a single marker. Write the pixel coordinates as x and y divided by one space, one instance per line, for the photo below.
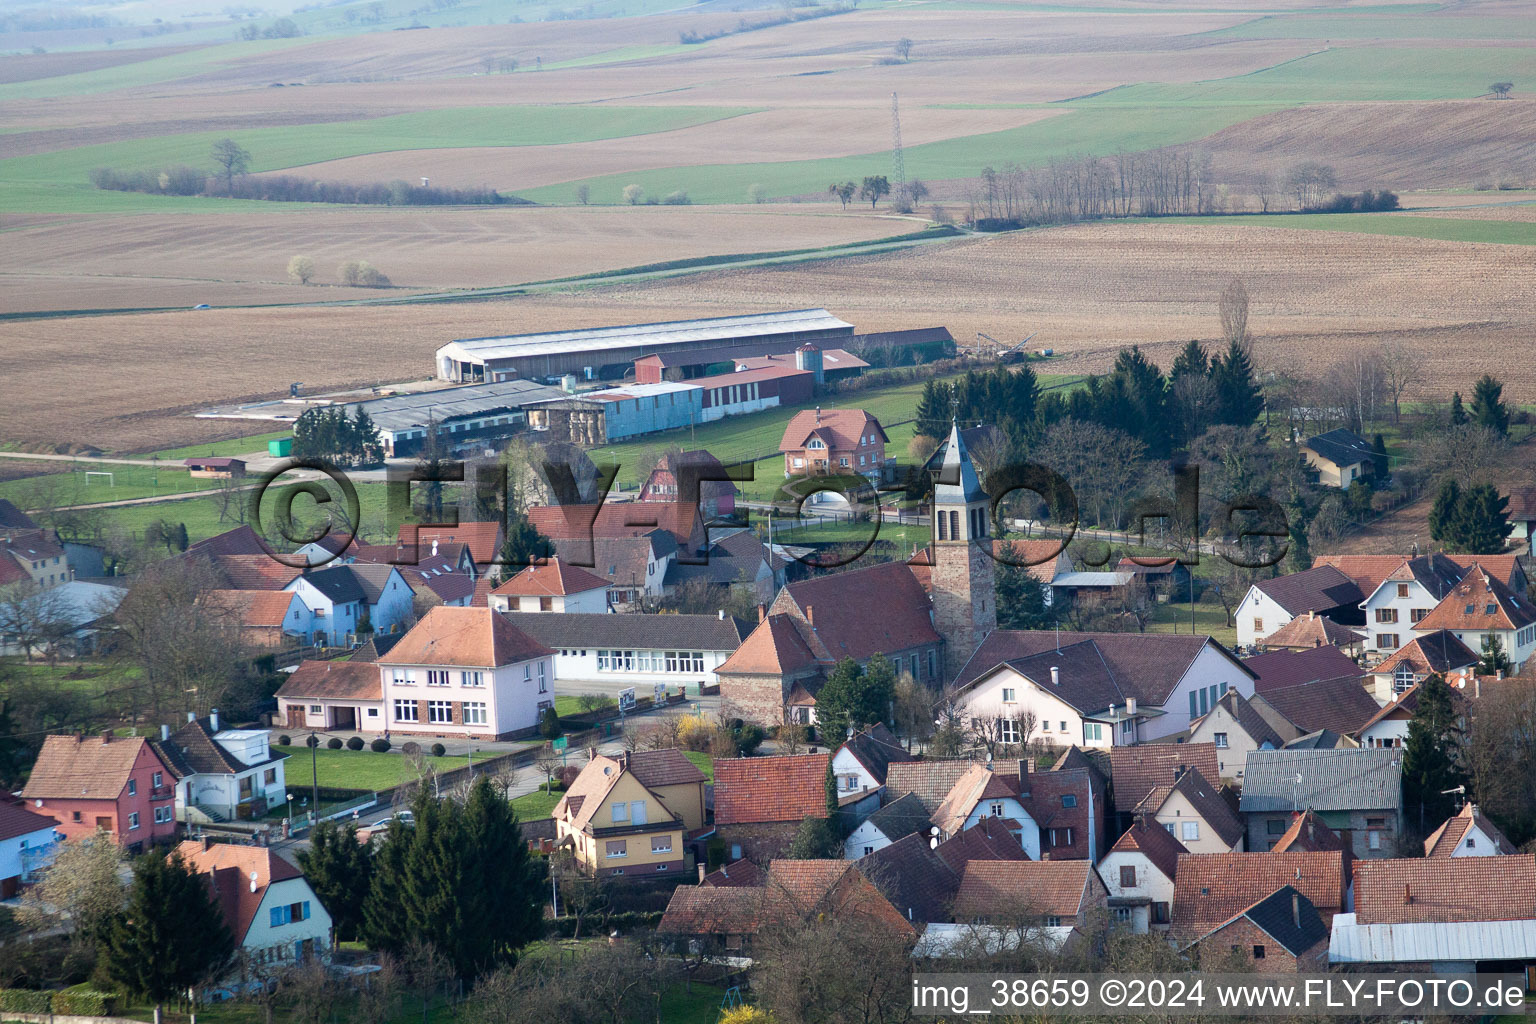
242 540
640 632
1298 927
621 561
1341 704
372 578
1331 780
1273 670
902 817
1316 590
13 518
1341 447
192 750
728 560
377 646
1147 666
1206 800
875 748
338 583
1318 739
913 876
1251 722
988 839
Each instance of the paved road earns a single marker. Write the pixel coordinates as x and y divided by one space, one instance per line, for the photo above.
53 457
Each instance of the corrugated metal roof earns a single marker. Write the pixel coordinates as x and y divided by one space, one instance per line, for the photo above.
1414 943
629 335
401 412
1331 780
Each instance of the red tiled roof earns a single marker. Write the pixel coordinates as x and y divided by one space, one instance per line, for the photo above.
242 540
1213 887
1440 651
777 646
1445 839
740 874
1444 890
17 821
1308 832
334 680
1155 843
767 789
988 839
483 539
231 868
83 769
877 609
554 578
840 428
252 608
1311 630
616 519
792 891
1479 602
1135 771
255 572
471 637
1021 889
1371 571
668 767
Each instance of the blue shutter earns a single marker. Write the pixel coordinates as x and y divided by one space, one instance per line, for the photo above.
277 916
1192 713
305 911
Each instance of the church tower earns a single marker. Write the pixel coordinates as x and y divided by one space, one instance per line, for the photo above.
963 588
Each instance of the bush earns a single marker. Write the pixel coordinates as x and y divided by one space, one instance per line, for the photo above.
361 274
285 741
23 1000
86 1003
334 743
312 740
749 738
678 198
566 776
379 746
565 927
355 743
549 724
438 750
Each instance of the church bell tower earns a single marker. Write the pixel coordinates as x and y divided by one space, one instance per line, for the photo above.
963 587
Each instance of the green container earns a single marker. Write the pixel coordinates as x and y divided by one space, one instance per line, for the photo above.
281 448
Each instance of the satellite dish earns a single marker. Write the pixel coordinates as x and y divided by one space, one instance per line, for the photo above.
255 880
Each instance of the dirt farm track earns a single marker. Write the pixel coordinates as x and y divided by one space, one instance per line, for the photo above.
1086 290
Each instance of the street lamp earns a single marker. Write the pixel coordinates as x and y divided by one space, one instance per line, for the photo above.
290 814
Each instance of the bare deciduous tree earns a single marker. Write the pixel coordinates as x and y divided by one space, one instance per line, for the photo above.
301 269
1401 368
1234 312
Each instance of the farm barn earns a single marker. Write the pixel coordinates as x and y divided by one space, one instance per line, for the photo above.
606 353
612 414
477 413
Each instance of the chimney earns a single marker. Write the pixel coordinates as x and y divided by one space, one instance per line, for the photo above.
1498 675
703 868
722 614
1477 686
106 735
213 720
810 615
191 716
818 414
1130 705
1296 909
1023 768
206 843
165 733
1055 676
762 612
1407 894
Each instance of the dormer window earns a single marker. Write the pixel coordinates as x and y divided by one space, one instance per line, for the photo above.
816 443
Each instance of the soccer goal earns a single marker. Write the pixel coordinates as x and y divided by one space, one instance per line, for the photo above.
111 482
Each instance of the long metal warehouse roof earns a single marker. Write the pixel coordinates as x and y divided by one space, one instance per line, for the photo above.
401 412
627 336
1419 942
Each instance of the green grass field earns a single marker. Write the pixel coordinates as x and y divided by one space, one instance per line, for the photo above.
537 804
1209 619
1445 229
344 769
145 72
702 761
1400 24
50 178
1079 130
234 446
73 487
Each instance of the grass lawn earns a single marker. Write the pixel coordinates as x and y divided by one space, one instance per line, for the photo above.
234 446
344 769
51 487
570 704
702 761
838 533
537 804
1445 229
1209 618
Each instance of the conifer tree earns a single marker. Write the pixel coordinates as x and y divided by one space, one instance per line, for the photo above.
1482 521
523 546
1493 660
170 936
1443 513
340 870
1458 414
933 409
1488 408
1238 398
1431 756
1379 461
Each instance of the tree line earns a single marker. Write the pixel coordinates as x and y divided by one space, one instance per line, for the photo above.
182 180
329 433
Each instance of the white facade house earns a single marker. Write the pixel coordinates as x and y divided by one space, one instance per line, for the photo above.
1139 873
466 672
1468 833
1272 603
635 651
28 841
222 774
1258 615
343 598
276 918
896 820
556 586
1099 690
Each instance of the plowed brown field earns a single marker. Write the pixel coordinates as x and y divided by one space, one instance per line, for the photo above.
1086 290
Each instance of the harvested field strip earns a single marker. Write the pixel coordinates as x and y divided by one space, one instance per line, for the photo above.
1351 26
1346 74
143 72
1076 131
623 53
1444 229
296 145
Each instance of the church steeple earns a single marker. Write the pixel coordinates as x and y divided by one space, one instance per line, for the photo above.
963 587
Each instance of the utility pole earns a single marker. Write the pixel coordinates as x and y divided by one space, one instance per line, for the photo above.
898 162
314 778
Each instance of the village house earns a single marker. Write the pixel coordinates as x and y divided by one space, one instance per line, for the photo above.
1234 728
1338 458
466 672
761 801
1139 872
1031 894
1358 793
1134 772
1280 934
33 554
28 841
90 783
631 815
1272 603
1482 608
80 611
1460 914
1308 832
1370 571
1468 833
1194 810
483 540
222 774
555 586
912 875
1305 632
1057 814
1094 689
1402 600
861 763
1408 666
267 619
275 917
214 467
905 816
1213 888
333 696
644 652
834 442
1389 726
1522 515
692 477
347 600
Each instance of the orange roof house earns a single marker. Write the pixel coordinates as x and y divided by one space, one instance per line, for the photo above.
832 442
266 902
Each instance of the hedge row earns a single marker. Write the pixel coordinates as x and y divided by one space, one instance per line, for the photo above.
565 927
77 1002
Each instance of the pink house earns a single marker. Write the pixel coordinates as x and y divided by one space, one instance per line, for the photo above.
104 782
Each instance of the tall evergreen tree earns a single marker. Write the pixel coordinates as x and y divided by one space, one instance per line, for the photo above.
1493 660
1238 397
1021 598
460 878
1192 361
170 936
1379 462
1431 756
854 696
1458 414
340 870
369 448
933 409
1482 520
1443 513
1488 408
524 545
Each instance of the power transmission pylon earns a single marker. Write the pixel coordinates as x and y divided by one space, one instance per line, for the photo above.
898 164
